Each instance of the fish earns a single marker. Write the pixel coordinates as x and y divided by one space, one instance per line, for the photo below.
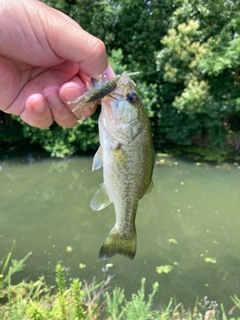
126 155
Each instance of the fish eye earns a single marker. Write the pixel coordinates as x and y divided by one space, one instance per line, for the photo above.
132 97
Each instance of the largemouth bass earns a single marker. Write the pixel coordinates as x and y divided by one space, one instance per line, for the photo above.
127 157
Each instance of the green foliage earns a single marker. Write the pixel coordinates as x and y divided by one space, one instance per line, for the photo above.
35 300
12 132
3 277
8 271
188 55
116 61
61 282
60 141
236 300
114 303
35 311
139 309
136 308
205 154
78 299
199 64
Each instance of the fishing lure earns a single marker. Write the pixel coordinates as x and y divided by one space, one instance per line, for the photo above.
98 89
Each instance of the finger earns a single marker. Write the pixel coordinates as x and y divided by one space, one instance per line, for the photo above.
85 49
60 112
43 78
108 73
73 89
37 113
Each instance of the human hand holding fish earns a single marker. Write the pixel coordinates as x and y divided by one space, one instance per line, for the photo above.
45 59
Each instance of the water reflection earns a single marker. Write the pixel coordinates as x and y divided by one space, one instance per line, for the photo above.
189 226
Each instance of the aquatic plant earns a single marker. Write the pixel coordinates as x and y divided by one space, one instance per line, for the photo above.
77 295
8 271
36 300
118 307
61 282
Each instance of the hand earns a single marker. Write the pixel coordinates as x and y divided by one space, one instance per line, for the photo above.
45 59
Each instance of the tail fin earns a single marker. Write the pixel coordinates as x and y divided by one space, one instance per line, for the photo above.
117 243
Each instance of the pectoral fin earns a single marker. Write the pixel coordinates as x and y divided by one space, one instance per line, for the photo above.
101 199
150 187
97 160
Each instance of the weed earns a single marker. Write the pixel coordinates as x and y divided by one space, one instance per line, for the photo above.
36 300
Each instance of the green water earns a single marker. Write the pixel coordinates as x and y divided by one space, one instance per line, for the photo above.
191 222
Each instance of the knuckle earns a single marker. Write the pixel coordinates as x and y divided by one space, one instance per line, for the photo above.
43 124
99 48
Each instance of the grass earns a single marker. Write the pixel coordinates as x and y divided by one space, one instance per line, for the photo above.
36 300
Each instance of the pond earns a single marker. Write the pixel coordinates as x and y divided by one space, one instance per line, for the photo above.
188 230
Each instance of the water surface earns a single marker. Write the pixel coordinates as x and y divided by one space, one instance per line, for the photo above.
190 223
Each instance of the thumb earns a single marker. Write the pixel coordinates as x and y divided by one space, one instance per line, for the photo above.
69 41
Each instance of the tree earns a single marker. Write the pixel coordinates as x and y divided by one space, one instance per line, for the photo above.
200 67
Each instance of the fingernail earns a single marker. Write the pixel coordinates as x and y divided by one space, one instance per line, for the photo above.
108 73
38 105
71 92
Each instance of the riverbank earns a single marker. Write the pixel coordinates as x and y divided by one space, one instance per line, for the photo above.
191 153
80 300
